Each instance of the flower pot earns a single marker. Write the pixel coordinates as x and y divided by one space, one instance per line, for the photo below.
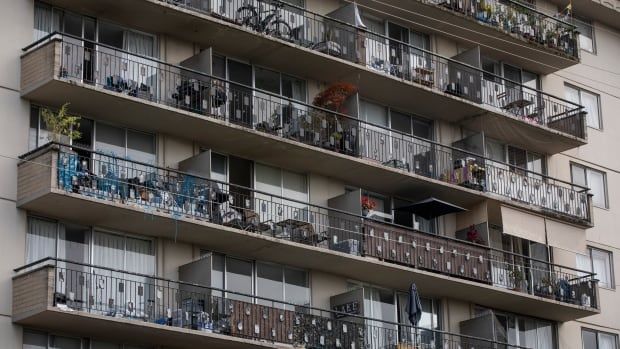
365 212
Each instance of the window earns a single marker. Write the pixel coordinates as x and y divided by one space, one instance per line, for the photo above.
282 283
48 19
589 100
48 238
599 262
593 179
524 159
124 143
593 339
38 134
287 184
266 280
519 330
586 34
41 340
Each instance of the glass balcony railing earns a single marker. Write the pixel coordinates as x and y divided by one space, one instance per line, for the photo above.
150 188
185 89
93 289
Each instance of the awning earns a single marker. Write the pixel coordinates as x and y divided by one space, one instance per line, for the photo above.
430 208
522 224
566 236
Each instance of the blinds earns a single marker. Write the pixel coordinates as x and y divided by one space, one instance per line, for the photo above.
565 236
524 225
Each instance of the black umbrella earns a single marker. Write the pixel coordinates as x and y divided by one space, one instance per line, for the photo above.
430 208
414 306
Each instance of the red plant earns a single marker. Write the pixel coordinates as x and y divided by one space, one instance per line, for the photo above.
474 236
368 204
334 96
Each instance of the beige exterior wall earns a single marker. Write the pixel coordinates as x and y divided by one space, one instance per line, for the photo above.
593 74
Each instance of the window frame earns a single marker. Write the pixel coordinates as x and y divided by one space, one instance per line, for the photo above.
586 22
92 230
610 259
585 169
597 334
598 104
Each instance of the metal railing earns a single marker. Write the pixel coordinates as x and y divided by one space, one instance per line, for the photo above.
405 61
155 189
146 298
518 19
141 77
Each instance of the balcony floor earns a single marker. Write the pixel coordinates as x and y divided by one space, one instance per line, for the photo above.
241 141
125 330
235 41
115 215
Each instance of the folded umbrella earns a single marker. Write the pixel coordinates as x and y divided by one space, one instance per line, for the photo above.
414 305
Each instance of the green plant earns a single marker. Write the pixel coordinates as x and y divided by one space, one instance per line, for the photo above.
61 123
517 276
548 283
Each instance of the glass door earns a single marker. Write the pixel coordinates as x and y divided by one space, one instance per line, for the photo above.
379 304
240 103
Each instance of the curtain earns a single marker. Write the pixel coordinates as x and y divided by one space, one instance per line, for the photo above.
108 250
46 20
596 182
40 240
600 265
607 341
139 256
545 336
590 103
138 43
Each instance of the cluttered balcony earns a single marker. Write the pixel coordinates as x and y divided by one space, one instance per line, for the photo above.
158 94
454 88
92 187
86 299
544 43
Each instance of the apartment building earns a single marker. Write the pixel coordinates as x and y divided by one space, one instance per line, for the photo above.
273 174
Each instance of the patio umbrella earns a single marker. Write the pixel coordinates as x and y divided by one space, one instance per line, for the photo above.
430 208
414 306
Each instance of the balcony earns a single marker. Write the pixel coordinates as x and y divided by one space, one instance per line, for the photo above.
119 194
544 44
92 300
452 91
200 106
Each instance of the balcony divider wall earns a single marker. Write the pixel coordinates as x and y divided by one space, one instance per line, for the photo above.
189 90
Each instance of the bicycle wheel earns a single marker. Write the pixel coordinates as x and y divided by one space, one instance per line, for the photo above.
247 16
279 29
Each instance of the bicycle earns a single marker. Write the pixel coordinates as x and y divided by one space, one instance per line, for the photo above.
270 24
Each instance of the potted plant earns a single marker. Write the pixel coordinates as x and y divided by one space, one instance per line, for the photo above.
548 286
367 205
61 125
517 276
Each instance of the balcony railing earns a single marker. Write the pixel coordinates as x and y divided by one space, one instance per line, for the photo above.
405 61
150 188
141 77
383 55
515 18
115 293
